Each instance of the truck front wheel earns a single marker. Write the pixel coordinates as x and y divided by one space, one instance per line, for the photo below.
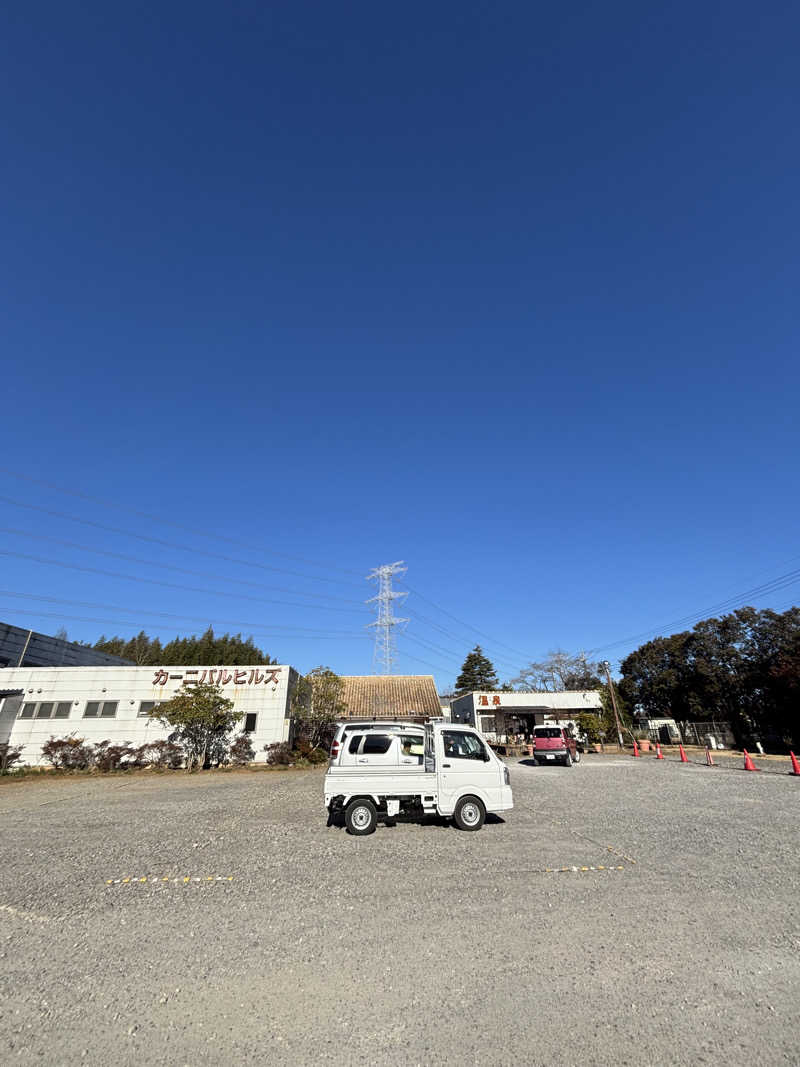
360 817
469 813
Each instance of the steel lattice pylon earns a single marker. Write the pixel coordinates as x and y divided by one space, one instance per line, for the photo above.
386 623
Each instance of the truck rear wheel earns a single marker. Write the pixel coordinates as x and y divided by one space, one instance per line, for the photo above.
469 813
360 817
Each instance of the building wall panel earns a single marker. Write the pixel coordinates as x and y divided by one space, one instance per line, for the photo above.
266 697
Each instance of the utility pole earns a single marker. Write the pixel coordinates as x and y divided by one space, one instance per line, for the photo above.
607 667
387 622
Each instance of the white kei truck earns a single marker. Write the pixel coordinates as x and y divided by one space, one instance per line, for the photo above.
379 770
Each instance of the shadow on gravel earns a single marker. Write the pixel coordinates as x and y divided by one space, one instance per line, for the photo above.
441 822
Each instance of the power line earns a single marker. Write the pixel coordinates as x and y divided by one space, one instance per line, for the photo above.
173 585
170 566
502 662
434 666
170 544
467 625
203 619
176 525
132 625
781 582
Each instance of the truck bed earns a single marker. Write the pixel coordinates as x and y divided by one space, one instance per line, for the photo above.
389 782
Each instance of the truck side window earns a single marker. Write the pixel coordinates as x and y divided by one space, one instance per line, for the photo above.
376 744
458 745
355 741
411 746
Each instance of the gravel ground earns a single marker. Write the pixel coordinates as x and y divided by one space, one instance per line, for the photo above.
417 945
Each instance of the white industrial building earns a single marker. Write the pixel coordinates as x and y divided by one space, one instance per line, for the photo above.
498 714
99 703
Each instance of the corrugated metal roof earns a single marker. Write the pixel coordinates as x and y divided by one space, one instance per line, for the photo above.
371 696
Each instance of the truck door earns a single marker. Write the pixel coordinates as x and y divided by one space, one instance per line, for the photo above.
465 766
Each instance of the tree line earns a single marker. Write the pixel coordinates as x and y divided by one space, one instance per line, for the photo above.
742 668
208 648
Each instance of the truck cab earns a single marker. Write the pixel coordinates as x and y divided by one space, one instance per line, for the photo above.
378 746
384 770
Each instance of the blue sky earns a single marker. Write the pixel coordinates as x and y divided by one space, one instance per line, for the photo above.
504 291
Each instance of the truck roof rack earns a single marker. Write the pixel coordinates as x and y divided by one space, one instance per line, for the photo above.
378 724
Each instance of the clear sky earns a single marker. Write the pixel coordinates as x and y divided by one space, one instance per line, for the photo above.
506 291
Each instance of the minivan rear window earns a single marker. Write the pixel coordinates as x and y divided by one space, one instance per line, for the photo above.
547 731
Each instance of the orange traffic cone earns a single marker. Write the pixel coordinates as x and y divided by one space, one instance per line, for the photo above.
636 750
709 758
658 751
748 763
684 758
795 765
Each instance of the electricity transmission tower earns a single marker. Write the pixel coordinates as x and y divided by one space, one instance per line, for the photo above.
387 622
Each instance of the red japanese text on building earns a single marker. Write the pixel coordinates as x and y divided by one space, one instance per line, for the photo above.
220 676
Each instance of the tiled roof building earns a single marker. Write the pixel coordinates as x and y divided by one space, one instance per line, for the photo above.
388 696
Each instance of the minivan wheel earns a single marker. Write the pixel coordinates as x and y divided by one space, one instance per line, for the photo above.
360 817
577 757
568 760
469 813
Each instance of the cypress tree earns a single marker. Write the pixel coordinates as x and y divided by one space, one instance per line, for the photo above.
477 674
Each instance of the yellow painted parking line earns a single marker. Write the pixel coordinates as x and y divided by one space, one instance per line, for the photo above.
25 916
579 870
154 879
618 852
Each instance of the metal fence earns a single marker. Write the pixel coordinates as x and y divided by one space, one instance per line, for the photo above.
712 733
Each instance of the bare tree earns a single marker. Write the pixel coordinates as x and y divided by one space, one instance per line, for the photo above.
559 670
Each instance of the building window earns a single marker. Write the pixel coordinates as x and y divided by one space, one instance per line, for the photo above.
250 722
46 709
145 707
102 709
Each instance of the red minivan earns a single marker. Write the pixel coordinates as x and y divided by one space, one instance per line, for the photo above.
555 744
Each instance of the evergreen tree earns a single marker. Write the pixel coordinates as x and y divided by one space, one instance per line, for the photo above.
477 674
202 720
186 651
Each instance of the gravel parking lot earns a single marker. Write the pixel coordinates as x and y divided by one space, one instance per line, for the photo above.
672 937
